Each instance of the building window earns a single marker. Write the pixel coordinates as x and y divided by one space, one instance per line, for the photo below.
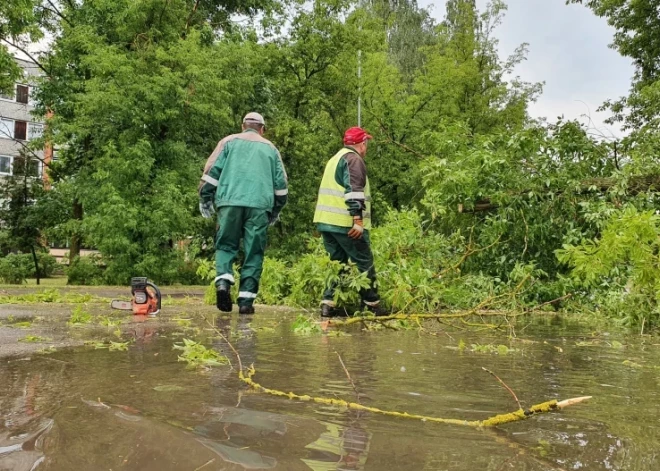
5 165
34 168
22 94
35 131
30 167
6 128
9 96
20 130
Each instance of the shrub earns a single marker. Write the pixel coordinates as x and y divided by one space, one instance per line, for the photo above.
275 285
84 271
14 269
47 264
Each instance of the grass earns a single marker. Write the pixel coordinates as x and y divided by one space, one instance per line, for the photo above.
60 281
55 281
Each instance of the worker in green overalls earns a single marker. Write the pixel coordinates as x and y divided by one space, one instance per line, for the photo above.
343 216
245 181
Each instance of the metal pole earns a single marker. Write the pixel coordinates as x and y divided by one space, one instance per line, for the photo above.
359 103
359 74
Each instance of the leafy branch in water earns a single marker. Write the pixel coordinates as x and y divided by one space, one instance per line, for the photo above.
51 296
80 317
33 339
111 345
197 355
305 325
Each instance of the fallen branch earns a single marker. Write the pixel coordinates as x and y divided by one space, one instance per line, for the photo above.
495 420
469 251
414 317
560 298
635 185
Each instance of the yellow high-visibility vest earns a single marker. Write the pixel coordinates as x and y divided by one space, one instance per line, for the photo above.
331 204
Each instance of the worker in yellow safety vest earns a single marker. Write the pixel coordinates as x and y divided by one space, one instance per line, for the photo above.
343 217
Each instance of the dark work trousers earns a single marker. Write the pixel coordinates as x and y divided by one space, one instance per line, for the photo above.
249 224
342 248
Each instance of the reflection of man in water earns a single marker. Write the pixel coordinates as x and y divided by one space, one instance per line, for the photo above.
340 448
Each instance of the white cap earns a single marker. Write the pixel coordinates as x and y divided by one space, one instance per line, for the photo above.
254 118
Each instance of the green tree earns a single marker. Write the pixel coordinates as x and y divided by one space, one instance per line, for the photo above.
19 22
460 95
139 94
19 215
408 29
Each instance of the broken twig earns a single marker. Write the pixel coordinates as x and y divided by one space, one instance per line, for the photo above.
357 394
505 385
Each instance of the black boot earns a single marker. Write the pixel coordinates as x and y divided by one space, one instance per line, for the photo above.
377 310
326 310
246 309
223 297
333 311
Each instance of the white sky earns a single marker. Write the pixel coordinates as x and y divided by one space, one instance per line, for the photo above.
568 49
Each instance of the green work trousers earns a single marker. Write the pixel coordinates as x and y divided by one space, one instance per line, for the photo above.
251 225
342 248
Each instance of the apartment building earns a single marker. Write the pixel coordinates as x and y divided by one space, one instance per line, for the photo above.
17 125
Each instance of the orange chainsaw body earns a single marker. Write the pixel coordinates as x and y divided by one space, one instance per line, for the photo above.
146 298
148 308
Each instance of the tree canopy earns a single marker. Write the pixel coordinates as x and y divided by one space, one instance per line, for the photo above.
137 93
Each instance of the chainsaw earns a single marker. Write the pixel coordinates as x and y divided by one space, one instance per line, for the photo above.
146 298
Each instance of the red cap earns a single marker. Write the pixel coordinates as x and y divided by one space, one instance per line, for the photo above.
355 136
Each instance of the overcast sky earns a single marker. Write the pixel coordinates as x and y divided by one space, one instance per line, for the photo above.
568 49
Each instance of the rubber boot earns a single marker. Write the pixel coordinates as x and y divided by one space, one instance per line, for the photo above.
375 308
223 296
246 309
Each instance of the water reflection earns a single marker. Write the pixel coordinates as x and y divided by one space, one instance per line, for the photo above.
340 447
141 410
24 451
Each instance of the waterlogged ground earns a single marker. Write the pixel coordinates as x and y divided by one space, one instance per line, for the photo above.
84 408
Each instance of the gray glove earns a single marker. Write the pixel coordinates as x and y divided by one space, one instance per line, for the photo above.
206 209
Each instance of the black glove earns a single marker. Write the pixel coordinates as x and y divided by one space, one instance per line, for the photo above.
273 218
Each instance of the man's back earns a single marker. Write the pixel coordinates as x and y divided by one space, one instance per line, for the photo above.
248 169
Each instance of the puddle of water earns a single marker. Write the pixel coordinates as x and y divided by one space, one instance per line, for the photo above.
88 409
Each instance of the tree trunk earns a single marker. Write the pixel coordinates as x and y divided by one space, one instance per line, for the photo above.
75 241
36 265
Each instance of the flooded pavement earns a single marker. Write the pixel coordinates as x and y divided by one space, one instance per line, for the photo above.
93 409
